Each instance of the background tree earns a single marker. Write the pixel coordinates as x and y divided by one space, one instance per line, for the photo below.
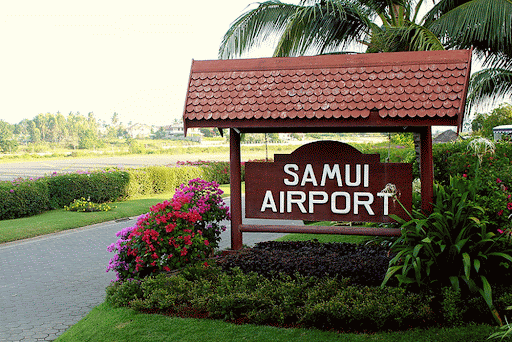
483 124
7 141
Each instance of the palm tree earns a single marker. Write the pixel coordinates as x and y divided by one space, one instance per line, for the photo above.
333 26
485 26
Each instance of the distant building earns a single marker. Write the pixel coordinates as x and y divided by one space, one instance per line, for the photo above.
445 137
139 131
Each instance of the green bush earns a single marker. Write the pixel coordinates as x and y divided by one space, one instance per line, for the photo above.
139 183
159 179
306 301
122 293
21 198
99 187
84 205
214 171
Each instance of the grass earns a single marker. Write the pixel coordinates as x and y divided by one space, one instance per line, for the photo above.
324 238
59 220
107 324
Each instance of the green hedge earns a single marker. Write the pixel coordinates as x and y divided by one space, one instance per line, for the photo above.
30 197
160 179
97 187
23 198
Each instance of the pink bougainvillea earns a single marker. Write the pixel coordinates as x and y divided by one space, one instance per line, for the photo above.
173 233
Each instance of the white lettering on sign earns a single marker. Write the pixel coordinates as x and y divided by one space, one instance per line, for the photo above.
339 202
352 178
289 199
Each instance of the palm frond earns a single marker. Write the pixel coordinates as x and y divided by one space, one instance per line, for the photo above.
489 84
256 26
485 25
324 27
440 8
410 37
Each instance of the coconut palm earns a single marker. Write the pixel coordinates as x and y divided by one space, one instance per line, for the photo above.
337 26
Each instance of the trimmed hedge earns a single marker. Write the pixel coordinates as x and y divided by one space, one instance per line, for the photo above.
27 197
23 198
321 303
97 187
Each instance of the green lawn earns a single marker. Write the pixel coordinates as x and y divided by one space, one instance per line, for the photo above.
107 324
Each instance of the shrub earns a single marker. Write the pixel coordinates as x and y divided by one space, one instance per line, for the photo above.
23 197
214 171
173 234
159 179
488 167
122 293
100 187
301 301
87 206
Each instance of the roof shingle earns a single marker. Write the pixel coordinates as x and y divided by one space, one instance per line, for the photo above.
396 85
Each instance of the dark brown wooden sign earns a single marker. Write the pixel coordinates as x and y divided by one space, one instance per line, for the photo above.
327 181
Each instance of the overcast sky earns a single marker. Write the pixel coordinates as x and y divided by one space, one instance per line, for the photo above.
106 56
129 57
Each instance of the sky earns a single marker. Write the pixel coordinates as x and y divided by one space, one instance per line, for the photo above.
105 56
129 57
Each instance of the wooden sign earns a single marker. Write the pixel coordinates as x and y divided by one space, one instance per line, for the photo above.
327 181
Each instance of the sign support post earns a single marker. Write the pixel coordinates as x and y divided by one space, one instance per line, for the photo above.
236 189
427 170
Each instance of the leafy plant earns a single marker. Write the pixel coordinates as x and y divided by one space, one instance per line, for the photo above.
87 206
450 246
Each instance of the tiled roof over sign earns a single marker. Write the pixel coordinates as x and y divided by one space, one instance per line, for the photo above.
396 85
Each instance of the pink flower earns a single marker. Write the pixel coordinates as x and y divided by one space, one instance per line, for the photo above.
184 252
500 212
498 180
464 175
500 231
509 206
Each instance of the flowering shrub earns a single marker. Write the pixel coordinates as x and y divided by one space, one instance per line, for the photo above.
172 234
87 206
23 197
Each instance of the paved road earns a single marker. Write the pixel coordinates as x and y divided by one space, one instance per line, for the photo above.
49 283
40 168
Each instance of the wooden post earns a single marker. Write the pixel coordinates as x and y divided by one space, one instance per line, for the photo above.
236 189
426 170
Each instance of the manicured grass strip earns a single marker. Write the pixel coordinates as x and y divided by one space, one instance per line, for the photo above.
59 220
105 323
324 237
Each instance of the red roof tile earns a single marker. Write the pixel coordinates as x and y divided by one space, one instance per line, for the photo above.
407 85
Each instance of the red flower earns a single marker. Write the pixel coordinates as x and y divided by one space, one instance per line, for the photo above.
464 175
184 252
509 206
500 212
